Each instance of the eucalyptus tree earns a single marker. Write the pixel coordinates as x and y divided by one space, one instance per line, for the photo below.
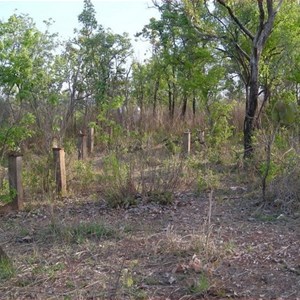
243 31
31 80
98 62
185 61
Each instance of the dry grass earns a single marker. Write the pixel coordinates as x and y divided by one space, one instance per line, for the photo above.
162 239
109 259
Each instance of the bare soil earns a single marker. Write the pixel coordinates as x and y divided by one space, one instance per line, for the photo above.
150 251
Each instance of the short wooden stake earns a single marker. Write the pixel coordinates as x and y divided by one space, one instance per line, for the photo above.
60 171
186 143
15 180
82 146
202 136
54 142
90 140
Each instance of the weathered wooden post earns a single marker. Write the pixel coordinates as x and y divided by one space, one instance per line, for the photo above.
82 145
201 136
90 140
54 142
186 143
15 180
60 170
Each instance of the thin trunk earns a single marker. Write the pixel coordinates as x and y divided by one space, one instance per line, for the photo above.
251 105
184 106
155 97
170 99
194 107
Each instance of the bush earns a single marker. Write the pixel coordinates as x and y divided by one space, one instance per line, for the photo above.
285 190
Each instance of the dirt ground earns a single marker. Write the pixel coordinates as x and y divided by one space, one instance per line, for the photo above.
182 251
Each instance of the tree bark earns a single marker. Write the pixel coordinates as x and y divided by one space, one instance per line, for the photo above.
251 106
155 97
266 22
184 106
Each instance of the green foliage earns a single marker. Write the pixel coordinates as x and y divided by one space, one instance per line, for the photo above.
272 168
200 286
6 194
84 231
221 130
285 112
207 180
78 233
161 197
84 172
7 269
38 178
120 190
31 82
12 136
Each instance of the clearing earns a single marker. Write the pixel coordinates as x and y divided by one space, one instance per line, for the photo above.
82 249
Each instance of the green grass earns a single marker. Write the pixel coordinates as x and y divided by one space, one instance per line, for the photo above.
78 233
200 286
7 269
92 230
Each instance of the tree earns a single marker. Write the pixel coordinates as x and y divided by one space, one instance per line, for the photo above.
187 64
242 30
31 81
97 58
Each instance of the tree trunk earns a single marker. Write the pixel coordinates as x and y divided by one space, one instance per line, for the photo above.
155 97
170 99
266 18
184 106
194 107
251 104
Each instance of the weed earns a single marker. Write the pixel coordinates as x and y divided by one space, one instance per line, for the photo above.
200 286
266 218
7 269
91 230
6 194
118 183
38 177
78 233
81 175
208 180
164 198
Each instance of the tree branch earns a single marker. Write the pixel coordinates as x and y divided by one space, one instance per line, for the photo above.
261 14
236 20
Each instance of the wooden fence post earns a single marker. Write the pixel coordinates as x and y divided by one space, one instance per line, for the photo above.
15 180
201 136
60 171
186 143
82 145
90 140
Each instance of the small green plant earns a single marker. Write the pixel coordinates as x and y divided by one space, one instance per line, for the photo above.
85 231
82 175
37 175
272 170
119 186
6 194
200 286
207 180
221 130
163 197
84 171
7 269
78 233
